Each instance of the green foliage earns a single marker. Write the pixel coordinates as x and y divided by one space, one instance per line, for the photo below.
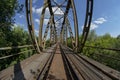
47 43
12 36
17 37
69 42
103 56
20 37
8 8
106 57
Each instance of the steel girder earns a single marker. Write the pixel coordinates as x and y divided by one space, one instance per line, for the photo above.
70 29
65 24
41 22
31 25
70 32
88 19
75 25
45 34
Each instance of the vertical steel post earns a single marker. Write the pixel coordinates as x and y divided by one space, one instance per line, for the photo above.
41 22
31 25
75 25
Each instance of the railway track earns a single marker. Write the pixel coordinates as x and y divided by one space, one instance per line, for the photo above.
87 69
59 63
32 68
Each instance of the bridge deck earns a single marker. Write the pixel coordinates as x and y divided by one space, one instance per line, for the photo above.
53 65
57 70
28 69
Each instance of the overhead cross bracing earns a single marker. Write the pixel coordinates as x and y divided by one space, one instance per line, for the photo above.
58 21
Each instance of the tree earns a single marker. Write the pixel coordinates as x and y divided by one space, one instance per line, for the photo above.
103 56
8 8
17 37
92 36
118 37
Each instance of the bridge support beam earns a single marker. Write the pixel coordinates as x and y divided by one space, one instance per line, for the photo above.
75 26
41 22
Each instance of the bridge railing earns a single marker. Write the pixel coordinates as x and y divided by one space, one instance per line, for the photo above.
107 56
11 55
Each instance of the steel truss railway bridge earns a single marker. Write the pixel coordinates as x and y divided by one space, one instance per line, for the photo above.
58 62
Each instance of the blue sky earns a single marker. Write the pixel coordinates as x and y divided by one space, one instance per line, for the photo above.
106 16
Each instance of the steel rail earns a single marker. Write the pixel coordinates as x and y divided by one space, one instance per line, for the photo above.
68 68
100 70
78 74
45 69
115 75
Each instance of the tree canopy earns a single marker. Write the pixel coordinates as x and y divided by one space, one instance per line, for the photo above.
8 9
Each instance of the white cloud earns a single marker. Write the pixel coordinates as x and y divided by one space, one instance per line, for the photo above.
46 21
38 11
21 16
15 25
26 29
58 24
33 9
100 20
37 21
36 31
93 26
18 24
57 11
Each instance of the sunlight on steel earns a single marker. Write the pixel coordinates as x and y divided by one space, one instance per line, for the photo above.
28 5
88 19
51 26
